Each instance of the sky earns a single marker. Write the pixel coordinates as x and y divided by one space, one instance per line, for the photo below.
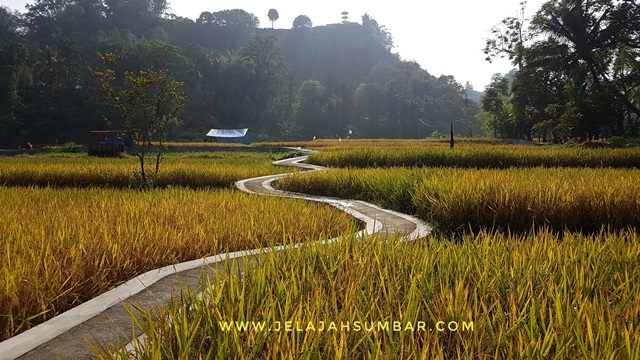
444 37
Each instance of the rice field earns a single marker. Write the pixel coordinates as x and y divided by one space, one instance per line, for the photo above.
535 255
492 295
195 170
389 144
62 247
473 199
478 156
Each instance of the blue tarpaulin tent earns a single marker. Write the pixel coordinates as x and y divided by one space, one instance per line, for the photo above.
230 135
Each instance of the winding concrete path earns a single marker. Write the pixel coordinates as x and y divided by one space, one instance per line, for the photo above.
105 319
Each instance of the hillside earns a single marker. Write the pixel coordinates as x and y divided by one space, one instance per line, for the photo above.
346 51
328 81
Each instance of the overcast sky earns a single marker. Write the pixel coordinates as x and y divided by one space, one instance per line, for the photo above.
445 37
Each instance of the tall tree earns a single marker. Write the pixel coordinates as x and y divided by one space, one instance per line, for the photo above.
496 108
41 17
368 103
146 104
268 71
590 32
570 50
345 16
311 109
139 16
273 16
15 75
232 27
509 38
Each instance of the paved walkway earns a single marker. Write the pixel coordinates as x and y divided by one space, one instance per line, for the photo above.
105 319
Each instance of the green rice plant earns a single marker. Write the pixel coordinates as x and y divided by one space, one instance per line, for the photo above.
462 199
62 247
531 296
501 157
68 147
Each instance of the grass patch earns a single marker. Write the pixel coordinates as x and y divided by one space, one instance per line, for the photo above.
62 247
508 297
67 148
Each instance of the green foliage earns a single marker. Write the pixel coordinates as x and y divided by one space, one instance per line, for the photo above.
273 16
619 140
344 16
508 38
379 32
68 147
311 109
438 135
147 104
266 71
579 78
235 18
302 22
495 103
49 95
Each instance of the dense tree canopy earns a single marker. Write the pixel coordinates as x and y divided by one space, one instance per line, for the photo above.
328 81
302 22
578 70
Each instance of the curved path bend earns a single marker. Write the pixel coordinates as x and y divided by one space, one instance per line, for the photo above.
105 319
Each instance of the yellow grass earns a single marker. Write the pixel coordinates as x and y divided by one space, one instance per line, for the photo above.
193 170
64 246
477 156
574 198
336 144
492 296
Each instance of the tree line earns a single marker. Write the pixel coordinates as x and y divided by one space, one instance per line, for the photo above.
577 72
333 81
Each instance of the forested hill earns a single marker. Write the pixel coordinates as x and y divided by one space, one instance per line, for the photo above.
298 83
346 51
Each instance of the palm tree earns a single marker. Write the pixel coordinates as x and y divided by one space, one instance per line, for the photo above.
590 32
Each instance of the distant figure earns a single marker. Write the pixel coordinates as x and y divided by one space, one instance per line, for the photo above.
314 138
29 146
